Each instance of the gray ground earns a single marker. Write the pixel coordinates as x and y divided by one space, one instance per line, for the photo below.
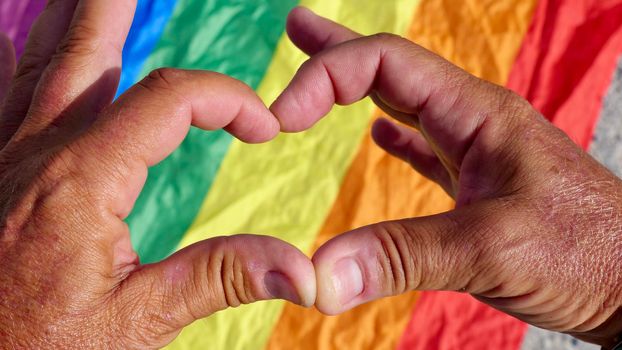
607 143
539 339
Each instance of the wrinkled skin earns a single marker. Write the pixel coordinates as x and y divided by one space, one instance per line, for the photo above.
535 233
71 166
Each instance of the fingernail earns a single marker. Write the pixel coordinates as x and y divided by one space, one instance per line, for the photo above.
279 287
347 280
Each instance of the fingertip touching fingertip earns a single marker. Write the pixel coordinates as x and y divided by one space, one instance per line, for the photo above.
262 127
300 289
336 295
255 136
290 275
340 281
279 286
286 116
308 285
347 280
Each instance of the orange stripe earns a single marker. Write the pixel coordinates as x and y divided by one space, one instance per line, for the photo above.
482 36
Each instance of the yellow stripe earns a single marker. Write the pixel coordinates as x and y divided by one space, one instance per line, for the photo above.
483 36
285 188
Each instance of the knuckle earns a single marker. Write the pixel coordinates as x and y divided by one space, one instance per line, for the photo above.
395 44
389 38
32 63
397 259
58 186
216 281
421 256
510 104
42 190
163 82
163 77
82 40
59 164
227 274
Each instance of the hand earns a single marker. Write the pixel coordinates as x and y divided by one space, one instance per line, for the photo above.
71 166
537 227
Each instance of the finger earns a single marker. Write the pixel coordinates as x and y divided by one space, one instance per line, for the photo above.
447 103
213 275
301 19
411 147
150 120
313 34
82 77
430 253
44 36
7 65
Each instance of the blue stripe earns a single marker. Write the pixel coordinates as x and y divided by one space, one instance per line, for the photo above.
149 22
233 37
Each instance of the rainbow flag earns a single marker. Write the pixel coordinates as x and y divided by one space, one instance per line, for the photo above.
562 55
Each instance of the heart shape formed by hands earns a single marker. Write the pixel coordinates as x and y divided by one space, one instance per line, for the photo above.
535 232
529 234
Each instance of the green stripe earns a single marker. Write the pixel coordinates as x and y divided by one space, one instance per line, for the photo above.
237 38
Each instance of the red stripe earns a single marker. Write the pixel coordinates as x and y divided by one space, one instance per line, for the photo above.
564 69
567 62
449 321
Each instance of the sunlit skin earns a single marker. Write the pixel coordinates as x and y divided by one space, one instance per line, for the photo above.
71 167
535 233
537 227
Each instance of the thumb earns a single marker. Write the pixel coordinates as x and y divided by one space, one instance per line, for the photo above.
210 276
441 252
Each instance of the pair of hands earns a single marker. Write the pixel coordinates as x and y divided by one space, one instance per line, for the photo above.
535 233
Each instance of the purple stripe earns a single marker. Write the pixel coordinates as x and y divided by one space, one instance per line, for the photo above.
11 13
16 18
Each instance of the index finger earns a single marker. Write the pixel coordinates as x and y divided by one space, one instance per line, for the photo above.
151 119
413 84
82 76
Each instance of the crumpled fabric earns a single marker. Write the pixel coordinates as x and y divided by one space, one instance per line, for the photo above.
306 188
16 18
